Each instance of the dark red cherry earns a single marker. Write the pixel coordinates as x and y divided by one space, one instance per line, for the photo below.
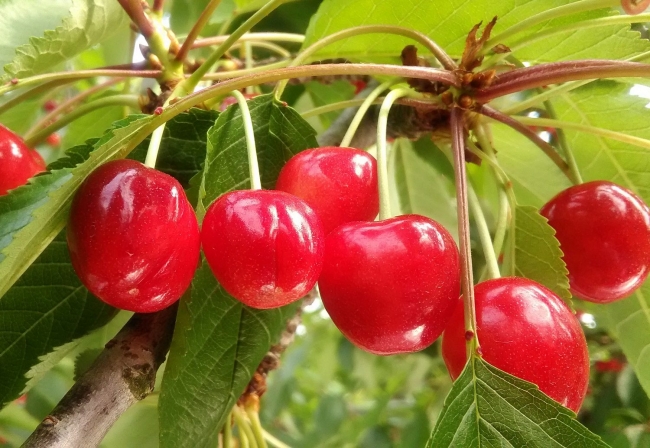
264 247
18 163
133 236
390 286
527 331
340 184
604 232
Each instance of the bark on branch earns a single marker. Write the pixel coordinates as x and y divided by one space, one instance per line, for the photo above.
123 374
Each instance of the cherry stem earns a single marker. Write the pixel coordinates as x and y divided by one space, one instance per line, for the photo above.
491 260
557 72
67 104
196 29
18 99
244 427
244 72
457 125
256 426
154 146
259 37
248 57
133 9
382 158
446 61
227 432
190 83
533 137
253 166
158 6
277 49
553 13
277 443
363 109
115 100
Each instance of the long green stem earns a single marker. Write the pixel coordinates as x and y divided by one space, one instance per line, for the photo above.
259 37
484 234
190 83
423 39
80 74
196 29
273 440
154 146
253 166
244 426
227 432
277 49
358 117
246 71
115 100
256 426
549 14
382 152
619 136
18 99
457 127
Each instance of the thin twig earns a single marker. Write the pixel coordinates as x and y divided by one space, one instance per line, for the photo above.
124 373
196 29
532 136
134 10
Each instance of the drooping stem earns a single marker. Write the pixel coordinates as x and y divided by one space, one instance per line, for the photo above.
421 38
548 14
259 37
275 48
190 83
196 29
248 57
18 99
558 72
484 235
457 125
256 426
227 432
123 374
115 100
154 146
564 146
244 426
253 166
382 151
532 136
358 116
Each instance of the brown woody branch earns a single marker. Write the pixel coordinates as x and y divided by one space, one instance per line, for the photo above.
123 374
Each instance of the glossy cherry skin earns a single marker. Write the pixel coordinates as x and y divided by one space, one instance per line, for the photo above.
264 247
604 232
133 236
18 163
340 184
527 331
390 286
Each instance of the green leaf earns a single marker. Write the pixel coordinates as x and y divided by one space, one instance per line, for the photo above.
218 342
537 252
628 321
32 215
535 178
423 182
46 308
449 22
489 408
91 125
608 105
67 27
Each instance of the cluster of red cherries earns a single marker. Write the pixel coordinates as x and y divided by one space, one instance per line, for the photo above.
391 286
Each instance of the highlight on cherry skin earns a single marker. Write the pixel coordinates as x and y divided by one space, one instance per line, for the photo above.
604 233
133 236
340 184
527 331
390 286
18 163
264 247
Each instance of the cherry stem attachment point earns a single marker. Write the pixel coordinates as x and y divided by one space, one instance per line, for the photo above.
382 157
363 109
457 124
253 166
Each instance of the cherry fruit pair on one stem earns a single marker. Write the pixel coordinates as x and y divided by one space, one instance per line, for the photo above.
18 163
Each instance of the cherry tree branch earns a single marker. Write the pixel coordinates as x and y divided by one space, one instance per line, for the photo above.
133 9
123 374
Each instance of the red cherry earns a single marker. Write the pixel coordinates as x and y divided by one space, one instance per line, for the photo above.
264 247
340 184
634 7
604 232
390 286
133 236
18 163
526 330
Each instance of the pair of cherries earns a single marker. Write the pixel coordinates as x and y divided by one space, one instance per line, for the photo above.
389 286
